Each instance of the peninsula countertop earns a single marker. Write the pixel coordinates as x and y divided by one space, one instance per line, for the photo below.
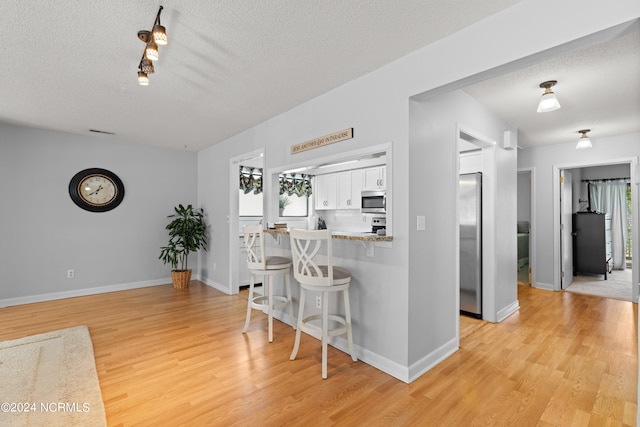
344 235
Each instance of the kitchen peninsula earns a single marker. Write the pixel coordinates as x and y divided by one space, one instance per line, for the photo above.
344 235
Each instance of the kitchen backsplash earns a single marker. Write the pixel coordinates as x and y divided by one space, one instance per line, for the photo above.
347 220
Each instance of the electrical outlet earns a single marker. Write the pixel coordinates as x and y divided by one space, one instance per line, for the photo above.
215 265
71 274
318 302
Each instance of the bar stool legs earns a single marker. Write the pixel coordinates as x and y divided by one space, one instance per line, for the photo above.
304 324
268 301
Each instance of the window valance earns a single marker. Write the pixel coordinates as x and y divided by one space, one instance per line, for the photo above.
297 184
291 184
250 180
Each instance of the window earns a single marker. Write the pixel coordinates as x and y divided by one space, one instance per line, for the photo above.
295 189
294 205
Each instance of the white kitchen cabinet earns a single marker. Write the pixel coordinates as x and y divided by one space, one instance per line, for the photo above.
349 188
325 191
374 178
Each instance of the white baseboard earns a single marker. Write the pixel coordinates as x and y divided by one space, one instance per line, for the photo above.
407 374
82 292
429 361
508 310
215 285
545 286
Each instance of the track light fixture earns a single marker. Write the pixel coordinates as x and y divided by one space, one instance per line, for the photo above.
584 141
548 102
157 36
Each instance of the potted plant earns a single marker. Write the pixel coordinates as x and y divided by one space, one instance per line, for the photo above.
187 233
283 202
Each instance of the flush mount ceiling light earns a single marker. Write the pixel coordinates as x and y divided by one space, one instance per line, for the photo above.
584 141
158 36
548 102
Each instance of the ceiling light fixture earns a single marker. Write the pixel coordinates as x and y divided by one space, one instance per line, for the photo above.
548 102
158 36
584 141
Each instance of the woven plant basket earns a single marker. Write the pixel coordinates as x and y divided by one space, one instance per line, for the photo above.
181 278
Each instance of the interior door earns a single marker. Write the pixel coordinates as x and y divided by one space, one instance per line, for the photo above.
566 228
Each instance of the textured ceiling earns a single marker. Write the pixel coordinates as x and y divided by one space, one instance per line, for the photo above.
598 89
71 65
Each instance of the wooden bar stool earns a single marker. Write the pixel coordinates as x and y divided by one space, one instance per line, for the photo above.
267 267
324 278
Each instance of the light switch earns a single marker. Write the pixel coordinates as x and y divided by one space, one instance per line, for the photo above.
420 223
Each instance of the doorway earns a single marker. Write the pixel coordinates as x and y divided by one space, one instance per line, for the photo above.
615 276
252 160
525 216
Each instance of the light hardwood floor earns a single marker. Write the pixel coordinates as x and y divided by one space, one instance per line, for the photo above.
178 357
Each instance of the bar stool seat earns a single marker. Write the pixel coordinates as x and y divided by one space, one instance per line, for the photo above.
323 278
267 267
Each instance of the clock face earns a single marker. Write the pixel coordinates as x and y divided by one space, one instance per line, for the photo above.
96 190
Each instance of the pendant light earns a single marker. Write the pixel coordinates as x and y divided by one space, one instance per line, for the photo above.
548 102
584 141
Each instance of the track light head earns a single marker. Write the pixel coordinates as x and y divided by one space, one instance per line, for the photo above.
158 36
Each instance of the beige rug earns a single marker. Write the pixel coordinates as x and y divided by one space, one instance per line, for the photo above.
50 379
617 285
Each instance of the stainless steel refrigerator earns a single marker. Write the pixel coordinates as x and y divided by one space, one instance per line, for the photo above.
470 212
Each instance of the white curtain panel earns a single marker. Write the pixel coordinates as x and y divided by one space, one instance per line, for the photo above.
611 197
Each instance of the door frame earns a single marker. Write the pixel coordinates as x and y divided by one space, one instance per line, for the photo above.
557 259
233 219
566 232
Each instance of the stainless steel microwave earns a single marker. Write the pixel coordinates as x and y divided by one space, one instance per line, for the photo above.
373 201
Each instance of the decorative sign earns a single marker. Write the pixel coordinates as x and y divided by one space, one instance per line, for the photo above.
322 141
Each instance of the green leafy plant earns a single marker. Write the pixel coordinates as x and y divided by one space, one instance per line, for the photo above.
187 233
283 202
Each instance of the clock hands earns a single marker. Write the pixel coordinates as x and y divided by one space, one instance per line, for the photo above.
96 192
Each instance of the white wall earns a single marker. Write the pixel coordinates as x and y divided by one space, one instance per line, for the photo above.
406 316
45 233
543 159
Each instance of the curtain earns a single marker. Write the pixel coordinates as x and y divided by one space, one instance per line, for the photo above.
297 184
611 197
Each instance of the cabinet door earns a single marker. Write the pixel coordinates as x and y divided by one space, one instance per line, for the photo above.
326 191
356 189
349 187
374 178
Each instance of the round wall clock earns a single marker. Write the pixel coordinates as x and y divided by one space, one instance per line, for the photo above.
96 190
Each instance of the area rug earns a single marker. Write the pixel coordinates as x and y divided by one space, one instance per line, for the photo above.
50 379
617 285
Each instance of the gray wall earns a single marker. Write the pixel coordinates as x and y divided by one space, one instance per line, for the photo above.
45 233
524 197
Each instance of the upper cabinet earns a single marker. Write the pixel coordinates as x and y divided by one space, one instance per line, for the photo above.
374 178
349 188
325 191
341 190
